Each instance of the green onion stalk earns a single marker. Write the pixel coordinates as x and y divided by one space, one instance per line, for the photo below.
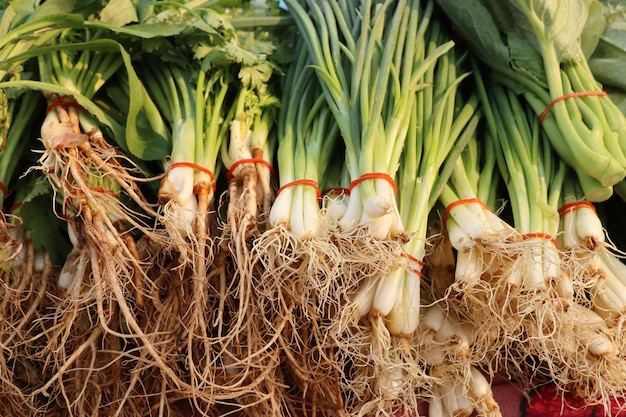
362 54
194 102
446 344
590 258
573 343
536 48
299 266
102 281
442 123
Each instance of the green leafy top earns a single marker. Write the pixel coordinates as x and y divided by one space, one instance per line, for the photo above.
609 57
500 32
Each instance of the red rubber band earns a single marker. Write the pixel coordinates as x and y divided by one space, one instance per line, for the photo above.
541 235
4 189
575 205
229 174
545 112
63 101
302 182
16 206
184 164
461 202
96 189
413 259
374 176
338 191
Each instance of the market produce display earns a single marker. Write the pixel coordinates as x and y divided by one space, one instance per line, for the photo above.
312 207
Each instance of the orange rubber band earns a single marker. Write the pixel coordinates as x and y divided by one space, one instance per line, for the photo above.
96 189
184 164
338 191
4 189
541 235
63 101
413 259
229 174
374 176
545 112
302 182
575 205
461 202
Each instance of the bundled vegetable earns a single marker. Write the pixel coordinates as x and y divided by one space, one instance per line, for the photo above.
188 234
446 344
297 264
584 126
569 340
590 258
358 65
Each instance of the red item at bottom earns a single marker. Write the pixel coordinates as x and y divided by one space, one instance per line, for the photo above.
548 402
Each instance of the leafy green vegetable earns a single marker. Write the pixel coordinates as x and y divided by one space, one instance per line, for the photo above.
43 226
536 48
609 57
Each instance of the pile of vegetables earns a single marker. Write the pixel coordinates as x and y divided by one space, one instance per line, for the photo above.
333 207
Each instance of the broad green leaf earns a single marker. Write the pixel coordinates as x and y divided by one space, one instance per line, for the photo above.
594 27
142 135
554 24
526 60
608 60
46 230
119 13
478 28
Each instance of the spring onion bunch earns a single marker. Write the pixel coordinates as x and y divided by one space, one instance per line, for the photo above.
441 123
298 264
361 53
536 48
307 133
477 234
590 258
446 345
537 288
571 342
184 309
98 192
